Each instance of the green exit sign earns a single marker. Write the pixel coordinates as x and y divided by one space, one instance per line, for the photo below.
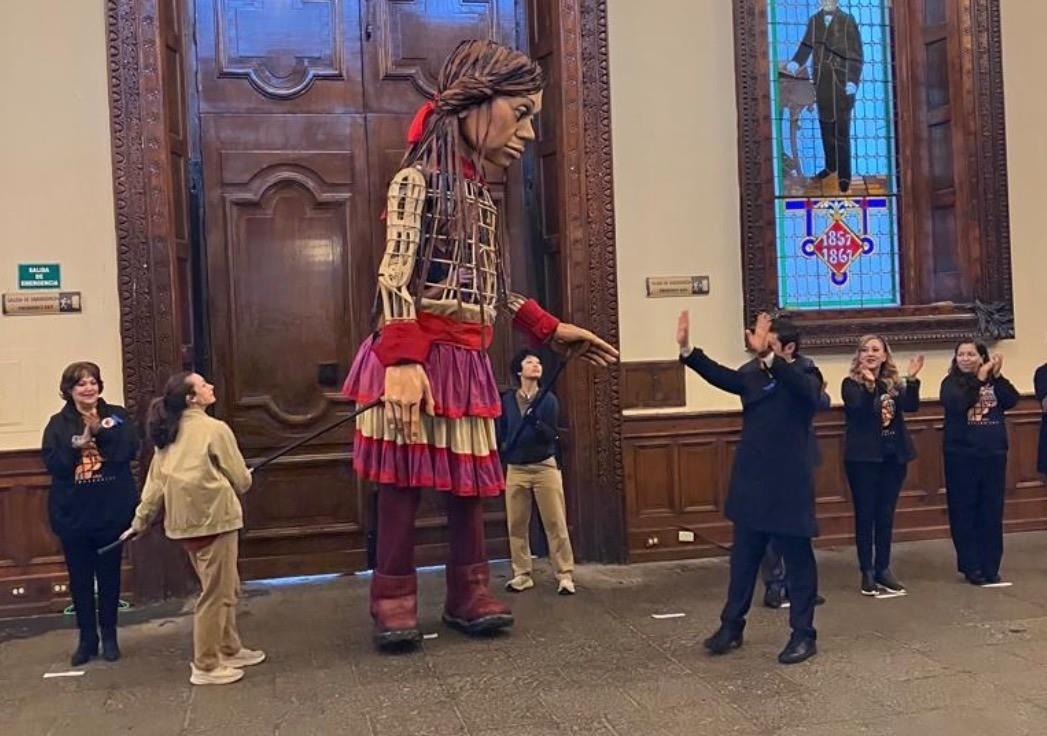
39 276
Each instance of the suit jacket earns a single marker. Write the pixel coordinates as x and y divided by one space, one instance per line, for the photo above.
837 51
772 480
824 402
863 409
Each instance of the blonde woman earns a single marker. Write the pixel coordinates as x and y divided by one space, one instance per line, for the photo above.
197 475
877 450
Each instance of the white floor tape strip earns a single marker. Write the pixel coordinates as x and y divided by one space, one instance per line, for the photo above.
1001 584
661 616
71 673
430 636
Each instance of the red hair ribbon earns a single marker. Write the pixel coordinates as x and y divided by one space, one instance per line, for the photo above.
420 121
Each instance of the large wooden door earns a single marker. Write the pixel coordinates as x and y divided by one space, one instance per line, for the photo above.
303 107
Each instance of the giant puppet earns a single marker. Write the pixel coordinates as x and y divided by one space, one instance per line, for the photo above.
440 283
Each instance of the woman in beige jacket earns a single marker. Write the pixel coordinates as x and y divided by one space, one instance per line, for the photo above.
196 476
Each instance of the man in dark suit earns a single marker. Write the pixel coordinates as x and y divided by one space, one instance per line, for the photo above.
770 497
834 44
772 567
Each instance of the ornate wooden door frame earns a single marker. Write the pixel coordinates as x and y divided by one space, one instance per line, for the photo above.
142 184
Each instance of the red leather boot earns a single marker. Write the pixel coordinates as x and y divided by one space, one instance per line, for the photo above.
470 606
394 608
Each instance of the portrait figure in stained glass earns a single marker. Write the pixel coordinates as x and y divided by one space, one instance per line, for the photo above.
832 43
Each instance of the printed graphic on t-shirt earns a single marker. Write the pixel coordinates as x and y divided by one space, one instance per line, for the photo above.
979 413
888 408
90 465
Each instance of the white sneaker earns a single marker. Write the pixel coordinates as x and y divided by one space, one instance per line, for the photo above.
244 658
220 675
520 583
566 586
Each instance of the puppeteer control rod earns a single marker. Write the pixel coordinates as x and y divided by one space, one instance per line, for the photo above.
283 451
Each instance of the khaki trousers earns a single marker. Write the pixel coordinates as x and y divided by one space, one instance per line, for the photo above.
214 621
544 482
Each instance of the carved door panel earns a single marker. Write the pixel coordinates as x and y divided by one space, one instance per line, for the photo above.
291 55
288 230
407 40
288 225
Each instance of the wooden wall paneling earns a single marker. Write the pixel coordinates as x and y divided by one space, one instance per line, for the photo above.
652 384
674 480
33 578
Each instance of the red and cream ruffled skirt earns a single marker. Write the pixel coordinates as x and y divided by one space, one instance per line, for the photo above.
457 451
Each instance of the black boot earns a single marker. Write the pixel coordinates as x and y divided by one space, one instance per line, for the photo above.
110 649
798 649
975 578
775 596
85 652
723 641
886 580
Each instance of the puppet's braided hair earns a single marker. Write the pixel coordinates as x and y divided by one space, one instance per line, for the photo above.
474 74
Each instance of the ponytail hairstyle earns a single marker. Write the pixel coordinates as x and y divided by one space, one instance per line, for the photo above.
165 412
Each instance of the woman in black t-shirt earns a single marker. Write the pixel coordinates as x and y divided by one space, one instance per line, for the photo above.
877 450
975 395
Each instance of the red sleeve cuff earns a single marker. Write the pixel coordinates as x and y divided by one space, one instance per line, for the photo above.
402 342
536 321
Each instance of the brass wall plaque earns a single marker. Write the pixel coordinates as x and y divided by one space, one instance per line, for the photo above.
56 302
662 286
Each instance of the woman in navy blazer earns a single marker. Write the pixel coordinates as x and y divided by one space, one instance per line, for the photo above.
877 450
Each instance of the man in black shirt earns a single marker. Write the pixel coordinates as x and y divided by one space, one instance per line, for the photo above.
771 493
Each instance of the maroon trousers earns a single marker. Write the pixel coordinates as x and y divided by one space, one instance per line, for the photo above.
397 508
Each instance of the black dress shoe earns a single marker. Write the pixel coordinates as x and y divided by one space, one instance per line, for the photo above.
723 641
798 649
823 174
819 600
84 653
845 184
110 649
868 583
886 580
991 580
775 597
975 578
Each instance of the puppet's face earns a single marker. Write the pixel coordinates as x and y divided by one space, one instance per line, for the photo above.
501 129
830 6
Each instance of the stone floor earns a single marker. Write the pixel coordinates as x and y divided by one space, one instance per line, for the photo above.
946 659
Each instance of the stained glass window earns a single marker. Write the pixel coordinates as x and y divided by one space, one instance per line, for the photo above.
835 153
